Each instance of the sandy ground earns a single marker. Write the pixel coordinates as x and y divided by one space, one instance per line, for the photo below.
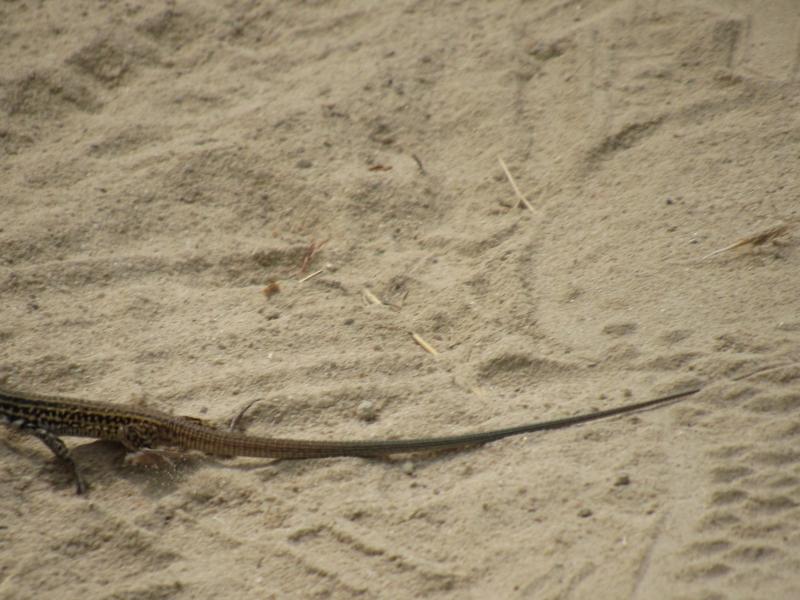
161 163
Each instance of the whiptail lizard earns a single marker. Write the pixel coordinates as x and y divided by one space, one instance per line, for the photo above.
47 417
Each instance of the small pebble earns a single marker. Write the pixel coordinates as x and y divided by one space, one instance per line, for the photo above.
408 467
623 480
585 513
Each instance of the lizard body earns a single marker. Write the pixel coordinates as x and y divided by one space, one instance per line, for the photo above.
48 417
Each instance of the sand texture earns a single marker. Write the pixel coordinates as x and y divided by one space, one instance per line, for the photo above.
162 164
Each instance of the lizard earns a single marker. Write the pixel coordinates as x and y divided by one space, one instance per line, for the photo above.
48 417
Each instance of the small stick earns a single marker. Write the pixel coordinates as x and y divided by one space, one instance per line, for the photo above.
371 298
312 250
425 345
757 239
310 275
520 197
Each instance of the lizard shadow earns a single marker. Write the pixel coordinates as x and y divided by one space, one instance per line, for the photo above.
295 466
103 461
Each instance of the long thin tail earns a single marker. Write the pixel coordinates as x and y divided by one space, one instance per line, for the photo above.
220 442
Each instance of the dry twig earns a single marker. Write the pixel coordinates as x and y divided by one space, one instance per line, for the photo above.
310 275
371 298
757 239
425 345
311 251
520 196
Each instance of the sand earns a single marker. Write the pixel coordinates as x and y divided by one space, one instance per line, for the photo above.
163 163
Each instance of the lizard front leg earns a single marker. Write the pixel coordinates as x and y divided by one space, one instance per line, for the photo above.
59 448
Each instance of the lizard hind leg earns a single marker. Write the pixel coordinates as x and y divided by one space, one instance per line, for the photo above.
235 424
61 452
140 451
